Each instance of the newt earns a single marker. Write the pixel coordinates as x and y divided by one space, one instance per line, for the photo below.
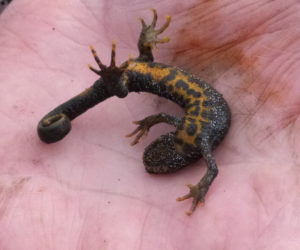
205 124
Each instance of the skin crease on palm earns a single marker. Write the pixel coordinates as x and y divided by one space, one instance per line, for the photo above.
90 190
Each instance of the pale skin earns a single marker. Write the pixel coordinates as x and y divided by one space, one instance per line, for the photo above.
90 190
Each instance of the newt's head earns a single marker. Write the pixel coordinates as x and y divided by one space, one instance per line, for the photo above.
111 75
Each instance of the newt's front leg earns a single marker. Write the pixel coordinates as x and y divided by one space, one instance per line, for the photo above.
145 125
148 37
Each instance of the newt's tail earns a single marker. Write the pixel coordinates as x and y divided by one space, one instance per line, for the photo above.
57 123
54 128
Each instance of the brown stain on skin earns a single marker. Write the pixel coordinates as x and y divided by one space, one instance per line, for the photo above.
210 57
204 36
258 83
212 51
212 62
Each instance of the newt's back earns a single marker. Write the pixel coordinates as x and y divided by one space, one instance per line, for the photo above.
207 113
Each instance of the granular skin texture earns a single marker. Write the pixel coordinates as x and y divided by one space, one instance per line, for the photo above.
205 124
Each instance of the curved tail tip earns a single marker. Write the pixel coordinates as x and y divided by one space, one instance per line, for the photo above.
54 128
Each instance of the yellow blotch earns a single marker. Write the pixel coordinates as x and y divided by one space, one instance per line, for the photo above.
190 139
85 92
156 72
124 79
192 85
183 135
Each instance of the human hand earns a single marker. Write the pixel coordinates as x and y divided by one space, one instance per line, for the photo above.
90 190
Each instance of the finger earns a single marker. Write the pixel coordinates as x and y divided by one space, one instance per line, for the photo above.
165 25
100 64
153 24
138 137
165 40
134 132
143 22
182 198
98 72
137 122
113 55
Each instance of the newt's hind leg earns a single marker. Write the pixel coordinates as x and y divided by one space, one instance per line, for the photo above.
198 191
161 157
148 37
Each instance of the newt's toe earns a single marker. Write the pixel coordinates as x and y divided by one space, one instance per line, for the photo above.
197 192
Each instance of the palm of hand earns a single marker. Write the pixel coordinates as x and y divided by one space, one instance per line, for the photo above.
91 186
